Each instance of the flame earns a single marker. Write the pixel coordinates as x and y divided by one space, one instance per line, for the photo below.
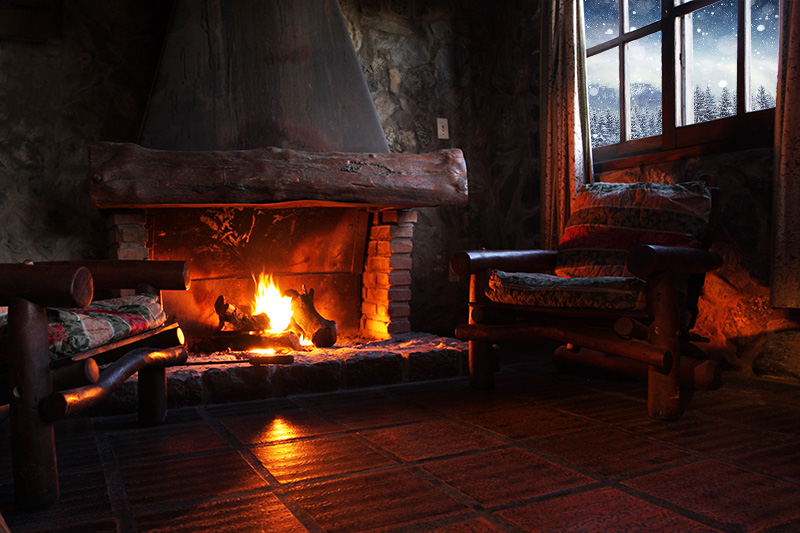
268 300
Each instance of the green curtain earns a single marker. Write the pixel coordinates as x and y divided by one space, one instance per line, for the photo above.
566 153
785 284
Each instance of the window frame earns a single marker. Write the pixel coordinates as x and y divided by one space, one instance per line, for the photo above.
746 129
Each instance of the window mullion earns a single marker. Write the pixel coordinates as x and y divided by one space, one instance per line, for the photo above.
624 94
669 95
743 102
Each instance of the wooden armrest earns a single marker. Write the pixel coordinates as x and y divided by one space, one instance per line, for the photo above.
474 261
62 404
128 274
650 259
46 285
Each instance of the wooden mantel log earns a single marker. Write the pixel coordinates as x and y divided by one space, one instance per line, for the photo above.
124 175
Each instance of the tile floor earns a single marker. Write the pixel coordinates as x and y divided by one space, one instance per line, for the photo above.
542 452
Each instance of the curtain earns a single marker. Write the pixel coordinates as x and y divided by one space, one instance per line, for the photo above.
564 128
785 283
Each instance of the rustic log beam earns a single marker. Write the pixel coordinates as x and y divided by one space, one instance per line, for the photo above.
659 360
319 330
131 176
46 284
62 404
128 274
469 262
694 374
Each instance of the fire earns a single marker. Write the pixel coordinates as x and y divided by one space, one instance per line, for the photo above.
270 301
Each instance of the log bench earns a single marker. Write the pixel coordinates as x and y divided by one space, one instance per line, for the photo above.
42 385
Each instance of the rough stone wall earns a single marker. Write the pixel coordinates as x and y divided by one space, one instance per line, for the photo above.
54 98
475 63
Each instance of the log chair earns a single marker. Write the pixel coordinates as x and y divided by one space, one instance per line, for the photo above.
41 390
651 338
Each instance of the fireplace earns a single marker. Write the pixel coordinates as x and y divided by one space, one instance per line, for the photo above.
261 151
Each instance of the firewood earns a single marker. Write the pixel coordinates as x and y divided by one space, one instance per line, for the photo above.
319 330
231 318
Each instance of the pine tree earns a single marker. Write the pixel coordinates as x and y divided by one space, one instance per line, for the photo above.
727 107
710 106
764 100
699 104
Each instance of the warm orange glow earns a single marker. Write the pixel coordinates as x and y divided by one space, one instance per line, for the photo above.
268 300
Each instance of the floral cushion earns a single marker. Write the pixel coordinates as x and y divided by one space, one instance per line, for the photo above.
72 331
608 219
545 290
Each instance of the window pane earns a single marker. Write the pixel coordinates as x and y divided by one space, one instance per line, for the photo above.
602 77
764 35
643 12
712 62
601 21
644 73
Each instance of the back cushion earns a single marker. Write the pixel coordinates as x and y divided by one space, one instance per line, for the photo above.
608 219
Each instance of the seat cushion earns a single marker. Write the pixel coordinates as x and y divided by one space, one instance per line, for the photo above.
609 219
545 290
72 331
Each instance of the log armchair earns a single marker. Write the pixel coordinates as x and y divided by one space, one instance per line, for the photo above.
620 293
54 340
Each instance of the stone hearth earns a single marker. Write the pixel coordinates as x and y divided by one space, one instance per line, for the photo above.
224 377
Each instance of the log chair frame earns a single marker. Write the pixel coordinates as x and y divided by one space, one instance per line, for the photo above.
653 344
36 383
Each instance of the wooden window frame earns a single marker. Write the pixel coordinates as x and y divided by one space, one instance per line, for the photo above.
746 129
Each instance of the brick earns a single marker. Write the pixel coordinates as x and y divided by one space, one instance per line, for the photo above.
402 216
118 218
121 251
393 279
385 233
403 246
398 326
399 310
127 233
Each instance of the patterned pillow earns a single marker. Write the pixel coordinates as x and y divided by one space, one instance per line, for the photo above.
72 331
608 219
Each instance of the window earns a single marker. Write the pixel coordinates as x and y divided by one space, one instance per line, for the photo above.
673 76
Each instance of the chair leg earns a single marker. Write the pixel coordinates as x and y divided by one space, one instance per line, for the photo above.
152 393
33 448
664 390
481 365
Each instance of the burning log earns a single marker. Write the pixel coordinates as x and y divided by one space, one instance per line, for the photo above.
243 341
319 330
231 318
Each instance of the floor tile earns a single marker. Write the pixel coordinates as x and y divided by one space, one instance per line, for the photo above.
505 475
319 457
525 422
781 460
609 452
376 500
603 509
149 443
260 513
434 438
277 427
376 413
738 498
188 479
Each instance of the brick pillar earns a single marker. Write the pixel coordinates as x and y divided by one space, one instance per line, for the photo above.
386 291
127 235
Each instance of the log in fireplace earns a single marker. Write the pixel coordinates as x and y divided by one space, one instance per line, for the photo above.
261 151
